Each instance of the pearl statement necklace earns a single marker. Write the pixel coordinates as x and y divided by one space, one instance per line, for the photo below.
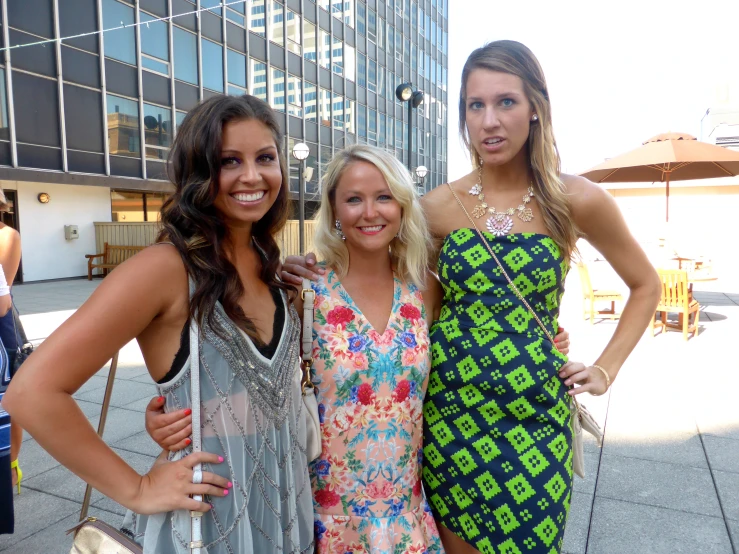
501 223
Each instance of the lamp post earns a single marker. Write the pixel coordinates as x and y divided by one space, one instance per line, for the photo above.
421 172
405 93
300 152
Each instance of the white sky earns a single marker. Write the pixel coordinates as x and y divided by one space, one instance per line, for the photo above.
618 72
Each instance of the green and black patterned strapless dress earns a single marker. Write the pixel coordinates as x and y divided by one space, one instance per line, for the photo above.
497 430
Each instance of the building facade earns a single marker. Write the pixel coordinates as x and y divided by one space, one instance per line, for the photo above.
89 120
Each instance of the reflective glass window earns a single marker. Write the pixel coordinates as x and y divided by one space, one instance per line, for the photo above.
293 32
212 65
294 96
277 33
278 89
258 79
309 50
185 56
123 126
236 68
157 131
310 102
258 18
120 44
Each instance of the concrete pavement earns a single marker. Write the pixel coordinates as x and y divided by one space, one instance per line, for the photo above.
665 481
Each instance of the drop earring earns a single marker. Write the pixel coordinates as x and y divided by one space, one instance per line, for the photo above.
339 232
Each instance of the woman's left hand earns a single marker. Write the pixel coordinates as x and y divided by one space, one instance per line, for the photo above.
562 341
587 379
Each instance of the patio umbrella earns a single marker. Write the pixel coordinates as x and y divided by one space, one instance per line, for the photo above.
667 157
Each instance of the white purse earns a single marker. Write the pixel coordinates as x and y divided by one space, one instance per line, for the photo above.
310 405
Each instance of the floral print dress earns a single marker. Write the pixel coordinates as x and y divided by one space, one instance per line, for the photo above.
367 489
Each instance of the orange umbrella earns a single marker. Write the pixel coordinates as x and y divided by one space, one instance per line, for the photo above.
667 157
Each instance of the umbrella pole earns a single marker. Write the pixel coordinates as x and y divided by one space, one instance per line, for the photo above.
667 200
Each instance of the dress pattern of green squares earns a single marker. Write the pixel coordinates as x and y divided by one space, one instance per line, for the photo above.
497 429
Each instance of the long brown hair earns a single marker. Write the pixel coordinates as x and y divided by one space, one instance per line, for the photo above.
191 221
508 56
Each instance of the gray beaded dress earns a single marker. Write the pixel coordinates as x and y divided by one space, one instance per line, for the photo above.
251 413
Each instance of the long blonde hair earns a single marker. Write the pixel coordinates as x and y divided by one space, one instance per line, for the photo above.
408 251
508 56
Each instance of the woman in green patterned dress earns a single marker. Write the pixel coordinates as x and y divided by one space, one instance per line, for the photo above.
497 436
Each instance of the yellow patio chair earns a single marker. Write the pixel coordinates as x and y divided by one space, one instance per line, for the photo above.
676 298
590 296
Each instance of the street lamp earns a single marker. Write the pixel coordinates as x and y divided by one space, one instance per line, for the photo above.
421 172
300 153
405 93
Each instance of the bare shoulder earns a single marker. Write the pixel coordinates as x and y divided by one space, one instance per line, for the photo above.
436 205
7 233
584 195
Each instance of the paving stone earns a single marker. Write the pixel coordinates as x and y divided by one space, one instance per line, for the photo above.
628 528
576 531
676 447
124 393
722 453
34 512
728 491
654 483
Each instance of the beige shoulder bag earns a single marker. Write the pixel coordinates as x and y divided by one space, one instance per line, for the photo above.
581 417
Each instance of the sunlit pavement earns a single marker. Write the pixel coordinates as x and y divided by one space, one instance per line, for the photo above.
665 481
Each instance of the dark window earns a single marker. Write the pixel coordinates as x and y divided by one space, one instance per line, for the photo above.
158 7
85 162
34 16
125 167
123 126
186 96
212 65
83 119
121 78
80 67
36 109
120 44
5 158
183 7
156 88
78 17
136 206
186 56
39 157
211 26
39 59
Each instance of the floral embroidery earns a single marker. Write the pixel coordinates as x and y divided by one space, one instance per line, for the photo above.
367 483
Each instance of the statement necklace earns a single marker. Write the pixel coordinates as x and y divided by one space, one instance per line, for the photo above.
500 223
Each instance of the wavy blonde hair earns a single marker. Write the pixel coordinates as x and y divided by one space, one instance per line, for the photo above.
408 251
508 56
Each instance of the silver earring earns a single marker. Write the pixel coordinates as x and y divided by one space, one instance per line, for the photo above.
339 232
534 117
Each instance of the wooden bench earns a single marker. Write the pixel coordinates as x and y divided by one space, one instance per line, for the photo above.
113 255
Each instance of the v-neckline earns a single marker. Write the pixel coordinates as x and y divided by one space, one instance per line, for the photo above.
355 306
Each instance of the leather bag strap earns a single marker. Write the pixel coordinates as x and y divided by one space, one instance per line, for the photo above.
308 296
196 518
513 286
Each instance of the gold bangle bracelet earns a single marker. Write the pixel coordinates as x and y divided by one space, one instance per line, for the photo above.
608 378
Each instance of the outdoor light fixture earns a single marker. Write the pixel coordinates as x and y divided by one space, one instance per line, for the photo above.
405 93
300 152
421 172
44 197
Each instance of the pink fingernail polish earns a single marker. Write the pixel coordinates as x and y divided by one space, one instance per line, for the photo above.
225 492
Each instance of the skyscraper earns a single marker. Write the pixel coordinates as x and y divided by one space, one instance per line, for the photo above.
89 120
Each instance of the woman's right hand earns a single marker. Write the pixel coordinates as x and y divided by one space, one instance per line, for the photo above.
294 268
171 431
168 486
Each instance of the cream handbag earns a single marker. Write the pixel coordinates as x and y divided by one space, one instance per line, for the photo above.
581 417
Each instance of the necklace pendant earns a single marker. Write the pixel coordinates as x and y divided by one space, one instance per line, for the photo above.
525 214
476 190
499 224
479 210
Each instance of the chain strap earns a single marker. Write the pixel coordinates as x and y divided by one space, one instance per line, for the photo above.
510 281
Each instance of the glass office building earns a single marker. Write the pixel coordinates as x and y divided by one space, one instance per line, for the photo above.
101 110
